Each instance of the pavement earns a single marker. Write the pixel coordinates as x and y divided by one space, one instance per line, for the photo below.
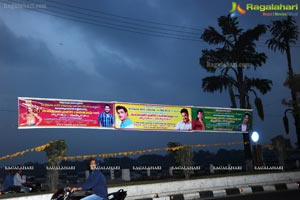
277 195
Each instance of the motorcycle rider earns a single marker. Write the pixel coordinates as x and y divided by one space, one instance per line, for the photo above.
96 182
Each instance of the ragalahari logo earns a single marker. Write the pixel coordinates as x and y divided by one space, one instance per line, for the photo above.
236 10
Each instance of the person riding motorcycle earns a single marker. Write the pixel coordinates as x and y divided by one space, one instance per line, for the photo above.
95 182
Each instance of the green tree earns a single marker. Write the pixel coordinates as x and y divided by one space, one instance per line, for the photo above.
284 34
183 156
235 52
55 152
281 146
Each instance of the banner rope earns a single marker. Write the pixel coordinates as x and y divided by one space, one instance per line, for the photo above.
126 153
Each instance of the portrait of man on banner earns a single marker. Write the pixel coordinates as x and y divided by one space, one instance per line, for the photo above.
185 124
106 118
245 125
125 121
198 123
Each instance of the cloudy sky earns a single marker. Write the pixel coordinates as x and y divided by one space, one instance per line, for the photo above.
143 51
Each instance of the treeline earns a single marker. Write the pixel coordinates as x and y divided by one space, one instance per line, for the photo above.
200 158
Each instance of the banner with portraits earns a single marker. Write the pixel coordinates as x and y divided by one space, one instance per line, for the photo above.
58 113
152 117
64 113
221 119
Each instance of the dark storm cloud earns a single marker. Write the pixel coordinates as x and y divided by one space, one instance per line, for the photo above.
14 50
50 57
30 69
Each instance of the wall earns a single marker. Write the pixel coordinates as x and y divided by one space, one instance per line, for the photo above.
192 187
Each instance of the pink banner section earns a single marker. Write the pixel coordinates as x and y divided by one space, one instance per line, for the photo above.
55 113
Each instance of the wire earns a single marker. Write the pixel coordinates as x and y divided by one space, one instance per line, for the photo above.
98 11
122 26
123 17
7 110
108 25
119 27
126 22
162 35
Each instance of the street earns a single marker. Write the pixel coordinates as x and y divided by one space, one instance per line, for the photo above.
279 195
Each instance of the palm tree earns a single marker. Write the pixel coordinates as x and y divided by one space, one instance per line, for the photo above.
284 33
235 52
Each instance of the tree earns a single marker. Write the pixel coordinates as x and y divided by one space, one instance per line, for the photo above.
284 34
235 52
55 152
173 149
281 145
183 156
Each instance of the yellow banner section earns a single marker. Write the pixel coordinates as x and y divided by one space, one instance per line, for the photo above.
152 117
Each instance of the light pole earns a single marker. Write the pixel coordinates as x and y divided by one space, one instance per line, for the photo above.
256 148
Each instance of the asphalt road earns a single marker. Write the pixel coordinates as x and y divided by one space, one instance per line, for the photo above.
278 195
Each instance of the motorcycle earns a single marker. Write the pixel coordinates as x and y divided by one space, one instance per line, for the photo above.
66 194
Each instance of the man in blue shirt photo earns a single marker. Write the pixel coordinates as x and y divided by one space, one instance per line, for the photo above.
95 182
106 119
123 116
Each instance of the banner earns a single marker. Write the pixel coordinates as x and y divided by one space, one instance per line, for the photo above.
152 117
221 119
59 113
55 113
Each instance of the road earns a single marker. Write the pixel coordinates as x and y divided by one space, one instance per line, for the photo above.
278 195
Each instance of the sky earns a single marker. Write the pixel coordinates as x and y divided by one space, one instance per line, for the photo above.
91 57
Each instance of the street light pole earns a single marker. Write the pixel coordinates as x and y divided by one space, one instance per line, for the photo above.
255 138
248 154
